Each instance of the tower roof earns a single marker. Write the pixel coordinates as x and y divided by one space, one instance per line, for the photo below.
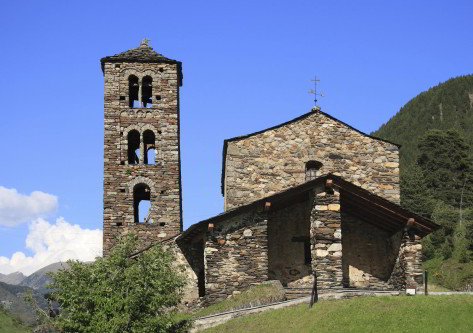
144 54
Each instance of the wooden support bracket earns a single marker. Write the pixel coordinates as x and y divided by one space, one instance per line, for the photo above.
267 206
410 223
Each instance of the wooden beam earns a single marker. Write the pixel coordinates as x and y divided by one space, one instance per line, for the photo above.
371 219
373 211
383 203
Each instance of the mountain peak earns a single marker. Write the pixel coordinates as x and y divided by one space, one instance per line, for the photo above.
12 278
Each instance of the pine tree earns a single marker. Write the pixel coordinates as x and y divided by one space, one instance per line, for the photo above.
447 167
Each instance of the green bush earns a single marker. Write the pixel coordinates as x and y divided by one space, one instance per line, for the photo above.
119 293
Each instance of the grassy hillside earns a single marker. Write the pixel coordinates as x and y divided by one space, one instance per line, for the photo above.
8 324
377 314
445 106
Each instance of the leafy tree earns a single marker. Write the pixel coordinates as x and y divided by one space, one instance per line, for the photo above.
461 244
119 293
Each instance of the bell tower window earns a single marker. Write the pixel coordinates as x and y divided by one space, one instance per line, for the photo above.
133 147
147 92
142 203
149 141
133 91
312 170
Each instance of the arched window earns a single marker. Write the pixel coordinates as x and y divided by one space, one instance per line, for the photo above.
133 91
312 170
133 147
142 203
149 140
147 92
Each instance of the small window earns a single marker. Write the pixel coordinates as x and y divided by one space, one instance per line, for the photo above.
147 92
149 140
133 91
142 203
133 147
312 170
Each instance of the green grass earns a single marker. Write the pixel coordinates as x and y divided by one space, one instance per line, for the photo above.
436 287
256 295
449 273
371 314
8 324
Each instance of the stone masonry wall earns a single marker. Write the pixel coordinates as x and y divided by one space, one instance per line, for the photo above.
412 256
266 163
369 254
236 255
163 178
326 240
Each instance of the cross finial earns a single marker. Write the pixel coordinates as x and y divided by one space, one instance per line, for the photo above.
314 91
144 42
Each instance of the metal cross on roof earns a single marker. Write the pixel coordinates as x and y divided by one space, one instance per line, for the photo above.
314 91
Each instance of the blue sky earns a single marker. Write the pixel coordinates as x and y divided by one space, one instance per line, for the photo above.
247 65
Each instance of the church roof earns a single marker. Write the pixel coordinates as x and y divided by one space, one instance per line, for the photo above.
242 137
144 54
354 200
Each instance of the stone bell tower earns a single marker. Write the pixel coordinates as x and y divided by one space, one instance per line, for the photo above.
142 167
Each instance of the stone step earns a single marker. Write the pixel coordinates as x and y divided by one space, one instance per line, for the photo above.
298 292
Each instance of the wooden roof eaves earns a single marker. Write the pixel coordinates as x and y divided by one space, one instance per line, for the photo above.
385 205
370 218
381 203
260 202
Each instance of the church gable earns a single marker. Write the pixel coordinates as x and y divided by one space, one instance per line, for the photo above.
266 162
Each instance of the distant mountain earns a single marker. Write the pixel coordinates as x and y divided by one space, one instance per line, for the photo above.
12 300
38 279
448 105
12 278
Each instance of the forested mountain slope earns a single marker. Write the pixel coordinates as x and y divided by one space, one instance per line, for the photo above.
445 106
435 130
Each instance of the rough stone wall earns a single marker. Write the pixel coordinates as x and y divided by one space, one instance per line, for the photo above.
163 178
287 229
398 275
369 254
266 163
326 240
236 255
412 256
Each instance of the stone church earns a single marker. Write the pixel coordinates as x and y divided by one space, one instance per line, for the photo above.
309 197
